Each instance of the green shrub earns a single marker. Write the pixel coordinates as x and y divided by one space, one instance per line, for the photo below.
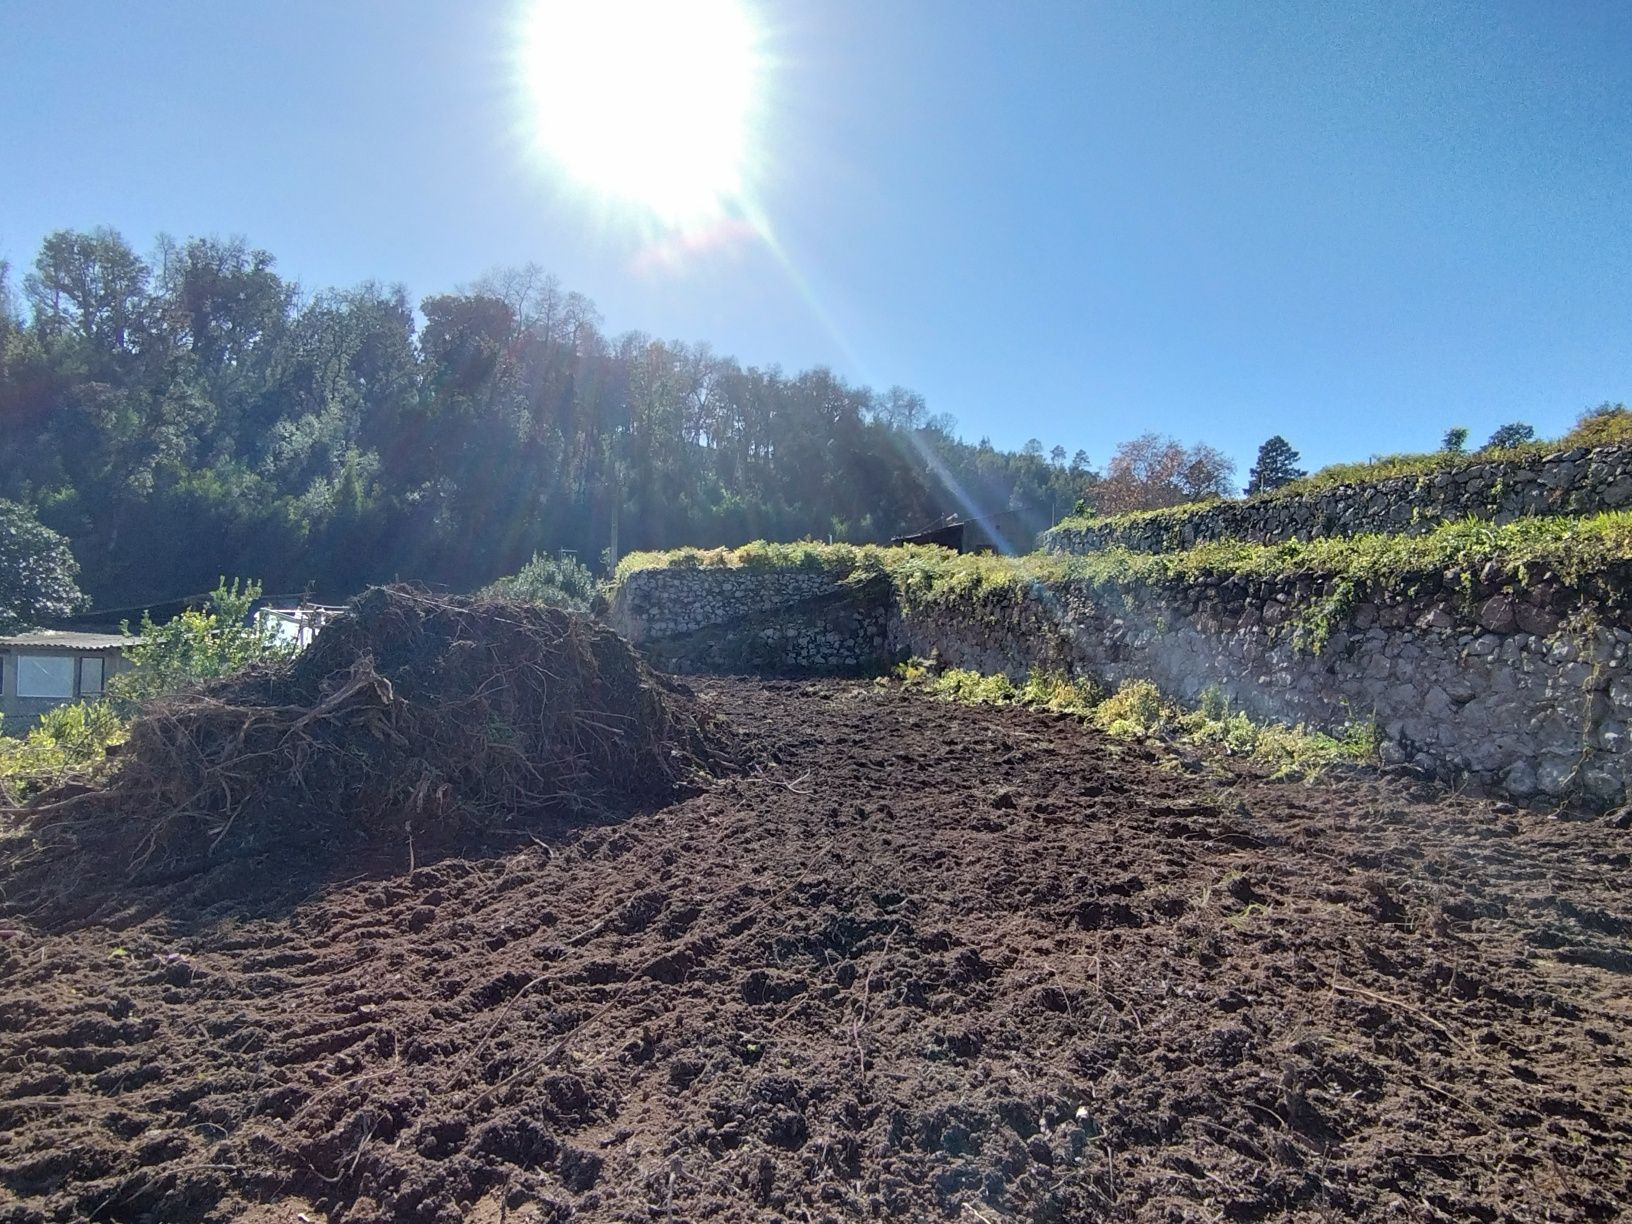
962 685
198 646
555 582
1137 709
1605 425
1288 751
66 739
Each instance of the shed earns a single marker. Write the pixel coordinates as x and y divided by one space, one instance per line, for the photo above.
46 668
1004 532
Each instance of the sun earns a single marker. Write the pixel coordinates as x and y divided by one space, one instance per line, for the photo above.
648 102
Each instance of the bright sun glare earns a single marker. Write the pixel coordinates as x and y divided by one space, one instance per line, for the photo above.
647 101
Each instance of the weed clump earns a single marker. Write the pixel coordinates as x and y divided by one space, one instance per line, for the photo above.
1134 709
1137 710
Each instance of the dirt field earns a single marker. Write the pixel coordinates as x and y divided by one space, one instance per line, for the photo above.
929 962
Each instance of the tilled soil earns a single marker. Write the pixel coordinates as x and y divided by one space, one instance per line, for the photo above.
927 962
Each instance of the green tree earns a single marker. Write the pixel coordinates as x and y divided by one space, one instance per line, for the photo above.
1277 465
1515 434
1455 440
189 414
90 287
198 645
37 571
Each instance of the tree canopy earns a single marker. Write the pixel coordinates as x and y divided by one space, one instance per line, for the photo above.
1153 471
37 571
1277 465
1517 433
193 413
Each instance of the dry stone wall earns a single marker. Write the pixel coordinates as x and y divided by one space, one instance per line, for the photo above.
1576 481
767 622
1526 689
1529 693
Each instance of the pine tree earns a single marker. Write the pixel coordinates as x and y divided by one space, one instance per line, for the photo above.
1277 465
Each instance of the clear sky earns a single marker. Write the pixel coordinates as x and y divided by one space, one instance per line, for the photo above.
1351 224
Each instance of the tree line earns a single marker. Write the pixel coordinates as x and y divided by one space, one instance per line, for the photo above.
193 413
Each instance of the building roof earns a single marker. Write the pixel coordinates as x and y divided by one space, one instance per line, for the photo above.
65 639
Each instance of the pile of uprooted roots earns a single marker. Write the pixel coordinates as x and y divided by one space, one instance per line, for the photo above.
412 716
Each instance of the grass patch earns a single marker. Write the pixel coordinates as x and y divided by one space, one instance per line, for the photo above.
1137 710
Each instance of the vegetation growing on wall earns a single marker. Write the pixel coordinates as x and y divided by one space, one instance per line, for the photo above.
1606 425
1574 548
837 560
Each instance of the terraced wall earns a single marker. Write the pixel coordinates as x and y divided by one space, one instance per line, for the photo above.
1515 679
1578 481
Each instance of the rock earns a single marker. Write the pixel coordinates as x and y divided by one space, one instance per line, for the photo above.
1436 617
1617 492
1520 780
1602 785
1536 620
1496 615
1554 775
1436 703
1612 736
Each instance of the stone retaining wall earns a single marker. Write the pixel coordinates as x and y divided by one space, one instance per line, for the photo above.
1529 696
1527 690
764 622
662 603
1576 481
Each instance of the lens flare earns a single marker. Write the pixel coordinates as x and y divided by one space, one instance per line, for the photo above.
646 102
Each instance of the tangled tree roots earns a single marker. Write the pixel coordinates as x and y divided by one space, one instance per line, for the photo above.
412 717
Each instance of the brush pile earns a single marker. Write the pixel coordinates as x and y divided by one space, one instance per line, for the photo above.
428 718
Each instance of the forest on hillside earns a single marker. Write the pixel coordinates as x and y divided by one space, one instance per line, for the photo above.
193 413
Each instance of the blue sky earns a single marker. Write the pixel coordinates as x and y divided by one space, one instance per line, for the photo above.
1352 225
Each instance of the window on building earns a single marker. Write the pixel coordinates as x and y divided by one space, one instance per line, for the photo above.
49 676
90 676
